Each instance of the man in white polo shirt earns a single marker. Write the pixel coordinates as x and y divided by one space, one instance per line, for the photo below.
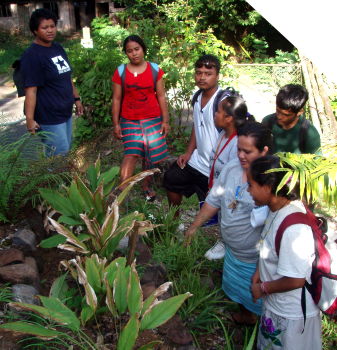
189 174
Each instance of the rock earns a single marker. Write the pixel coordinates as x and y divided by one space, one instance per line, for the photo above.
143 253
175 331
10 256
207 281
25 239
154 273
25 273
9 340
148 289
186 347
24 293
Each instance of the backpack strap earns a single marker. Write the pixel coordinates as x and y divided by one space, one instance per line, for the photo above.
292 219
195 97
155 71
121 71
303 134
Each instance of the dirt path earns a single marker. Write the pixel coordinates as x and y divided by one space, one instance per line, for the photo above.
12 120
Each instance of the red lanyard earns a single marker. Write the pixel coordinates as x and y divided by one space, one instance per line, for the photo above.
216 156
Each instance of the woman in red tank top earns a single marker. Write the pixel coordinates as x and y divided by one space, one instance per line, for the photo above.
139 112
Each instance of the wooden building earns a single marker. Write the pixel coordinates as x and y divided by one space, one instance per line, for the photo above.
72 15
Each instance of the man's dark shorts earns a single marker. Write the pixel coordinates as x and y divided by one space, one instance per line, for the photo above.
186 181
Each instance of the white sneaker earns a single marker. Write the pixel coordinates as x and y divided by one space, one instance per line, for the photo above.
217 251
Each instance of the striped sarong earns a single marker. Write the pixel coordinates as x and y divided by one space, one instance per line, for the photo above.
142 138
236 282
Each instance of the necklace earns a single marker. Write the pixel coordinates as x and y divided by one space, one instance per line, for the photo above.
238 194
271 223
216 156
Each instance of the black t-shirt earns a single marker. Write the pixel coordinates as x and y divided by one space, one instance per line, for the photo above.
49 70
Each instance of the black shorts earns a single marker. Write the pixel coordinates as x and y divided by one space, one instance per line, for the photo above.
186 181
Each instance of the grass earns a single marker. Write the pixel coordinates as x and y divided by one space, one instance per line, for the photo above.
329 333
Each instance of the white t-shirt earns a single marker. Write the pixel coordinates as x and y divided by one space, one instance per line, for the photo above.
295 259
230 152
206 135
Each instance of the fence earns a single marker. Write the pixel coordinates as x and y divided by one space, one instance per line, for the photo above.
259 83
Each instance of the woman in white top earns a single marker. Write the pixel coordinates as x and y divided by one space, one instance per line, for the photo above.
281 275
232 114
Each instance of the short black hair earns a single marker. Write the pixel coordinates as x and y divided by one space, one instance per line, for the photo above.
261 134
236 107
38 16
258 171
292 97
209 61
137 39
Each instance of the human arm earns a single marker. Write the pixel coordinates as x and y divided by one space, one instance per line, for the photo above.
192 144
281 285
116 105
206 212
160 91
78 103
30 104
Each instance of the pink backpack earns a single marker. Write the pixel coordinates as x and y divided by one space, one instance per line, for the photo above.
323 287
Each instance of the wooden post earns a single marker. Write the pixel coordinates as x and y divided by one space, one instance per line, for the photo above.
312 102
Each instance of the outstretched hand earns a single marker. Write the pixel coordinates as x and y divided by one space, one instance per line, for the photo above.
189 233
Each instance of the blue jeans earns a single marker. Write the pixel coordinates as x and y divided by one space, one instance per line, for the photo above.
59 139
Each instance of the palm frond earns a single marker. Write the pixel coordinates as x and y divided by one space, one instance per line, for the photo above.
316 175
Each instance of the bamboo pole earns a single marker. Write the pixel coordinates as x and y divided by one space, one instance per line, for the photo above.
318 99
326 102
312 102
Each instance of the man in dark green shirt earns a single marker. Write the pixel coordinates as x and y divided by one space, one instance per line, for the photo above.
292 132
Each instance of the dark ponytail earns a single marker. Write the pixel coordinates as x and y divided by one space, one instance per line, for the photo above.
258 171
236 107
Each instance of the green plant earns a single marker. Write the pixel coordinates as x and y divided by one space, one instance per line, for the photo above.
23 169
249 340
11 48
5 293
329 333
315 174
91 206
83 196
55 325
92 71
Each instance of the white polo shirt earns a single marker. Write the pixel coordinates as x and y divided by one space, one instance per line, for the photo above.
206 135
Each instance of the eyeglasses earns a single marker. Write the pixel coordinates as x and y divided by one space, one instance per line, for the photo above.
208 65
